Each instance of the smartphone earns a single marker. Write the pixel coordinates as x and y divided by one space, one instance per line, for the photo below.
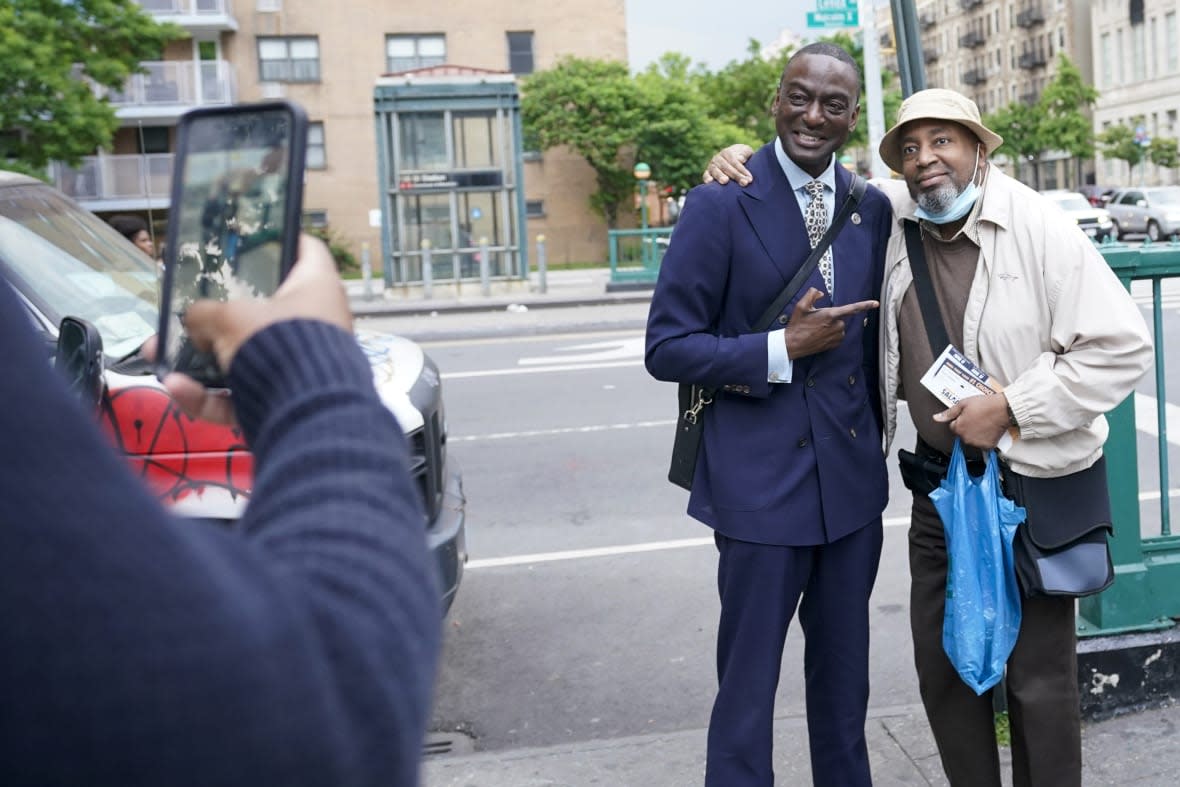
234 221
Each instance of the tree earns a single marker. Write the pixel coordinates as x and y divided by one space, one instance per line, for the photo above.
1164 152
1063 106
677 136
52 52
1021 127
1119 142
594 108
740 94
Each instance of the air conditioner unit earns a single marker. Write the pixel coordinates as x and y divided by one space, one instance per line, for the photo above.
270 6
273 89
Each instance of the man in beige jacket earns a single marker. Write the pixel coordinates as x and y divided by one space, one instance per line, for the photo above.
1025 295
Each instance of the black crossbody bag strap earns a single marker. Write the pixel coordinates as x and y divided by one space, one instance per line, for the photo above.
693 399
856 191
931 316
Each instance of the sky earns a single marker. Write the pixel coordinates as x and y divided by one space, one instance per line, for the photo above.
709 31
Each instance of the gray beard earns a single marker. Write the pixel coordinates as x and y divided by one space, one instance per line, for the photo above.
938 200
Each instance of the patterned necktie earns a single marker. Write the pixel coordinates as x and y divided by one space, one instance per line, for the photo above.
816 218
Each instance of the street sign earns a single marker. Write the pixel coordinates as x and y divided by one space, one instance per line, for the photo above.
843 18
836 5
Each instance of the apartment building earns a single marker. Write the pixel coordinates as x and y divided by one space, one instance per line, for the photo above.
328 58
1002 51
1137 71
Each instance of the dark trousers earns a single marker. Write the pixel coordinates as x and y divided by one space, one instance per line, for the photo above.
760 588
1043 702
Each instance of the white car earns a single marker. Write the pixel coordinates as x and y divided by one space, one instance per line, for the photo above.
63 261
1095 222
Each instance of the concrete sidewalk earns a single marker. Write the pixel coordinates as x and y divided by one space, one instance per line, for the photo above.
1135 749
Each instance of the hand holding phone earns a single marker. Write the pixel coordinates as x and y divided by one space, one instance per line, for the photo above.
233 227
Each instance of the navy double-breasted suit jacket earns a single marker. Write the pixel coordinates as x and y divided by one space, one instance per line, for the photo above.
796 463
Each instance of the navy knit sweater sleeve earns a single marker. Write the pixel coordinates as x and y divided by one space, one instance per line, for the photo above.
136 648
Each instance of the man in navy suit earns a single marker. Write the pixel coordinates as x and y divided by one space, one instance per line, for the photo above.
791 475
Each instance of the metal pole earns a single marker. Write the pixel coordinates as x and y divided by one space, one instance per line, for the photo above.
542 266
911 66
367 271
485 285
427 270
873 88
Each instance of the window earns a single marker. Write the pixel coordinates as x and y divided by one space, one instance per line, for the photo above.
1138 53
520 52
534 208
1170 40
317 153
315 218
153 139
289 59
1107 60
406 52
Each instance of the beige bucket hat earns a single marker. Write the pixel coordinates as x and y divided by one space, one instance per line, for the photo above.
936 103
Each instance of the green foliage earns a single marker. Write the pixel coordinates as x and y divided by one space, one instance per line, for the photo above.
741 94
45 46
1021 125
1164 152
1003 729
594 108
346 261
1063 106
1119 142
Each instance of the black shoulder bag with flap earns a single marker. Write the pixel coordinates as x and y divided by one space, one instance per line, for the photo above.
693 399
1061 548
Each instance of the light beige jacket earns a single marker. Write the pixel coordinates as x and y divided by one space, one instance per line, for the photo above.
1045 317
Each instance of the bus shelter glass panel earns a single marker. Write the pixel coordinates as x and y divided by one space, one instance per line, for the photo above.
423 139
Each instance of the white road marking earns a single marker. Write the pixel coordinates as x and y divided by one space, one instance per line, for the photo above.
599 351
662 546
1145 418
577 367
561 430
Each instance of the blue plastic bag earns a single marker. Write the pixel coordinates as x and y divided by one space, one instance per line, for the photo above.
982 616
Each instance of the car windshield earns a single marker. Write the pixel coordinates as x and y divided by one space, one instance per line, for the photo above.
1073 202
68 262
1168 196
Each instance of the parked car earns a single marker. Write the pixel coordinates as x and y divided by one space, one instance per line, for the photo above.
1153 211
64 261
1098 196
1095 222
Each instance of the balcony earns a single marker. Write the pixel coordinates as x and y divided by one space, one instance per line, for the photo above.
195 16
105 182
926 20
1030 17
971 39
172 87
967 5
1030 98
1031 60
975 76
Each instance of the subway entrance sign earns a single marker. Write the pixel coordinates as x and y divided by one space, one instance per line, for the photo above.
833 13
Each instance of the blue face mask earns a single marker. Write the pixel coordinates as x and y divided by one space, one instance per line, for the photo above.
961 205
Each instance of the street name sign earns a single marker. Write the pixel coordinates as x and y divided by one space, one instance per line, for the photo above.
833 13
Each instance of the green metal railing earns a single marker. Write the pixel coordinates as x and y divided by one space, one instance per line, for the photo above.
1146 592
635 255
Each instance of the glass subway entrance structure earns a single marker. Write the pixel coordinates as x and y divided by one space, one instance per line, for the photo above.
450 174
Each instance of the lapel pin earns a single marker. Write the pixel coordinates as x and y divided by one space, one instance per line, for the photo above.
855 218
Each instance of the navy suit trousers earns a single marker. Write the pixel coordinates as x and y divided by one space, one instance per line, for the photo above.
760 587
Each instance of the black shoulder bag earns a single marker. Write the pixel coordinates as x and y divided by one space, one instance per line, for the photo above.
693 399
1061 548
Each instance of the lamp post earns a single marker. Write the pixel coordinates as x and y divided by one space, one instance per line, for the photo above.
642 172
